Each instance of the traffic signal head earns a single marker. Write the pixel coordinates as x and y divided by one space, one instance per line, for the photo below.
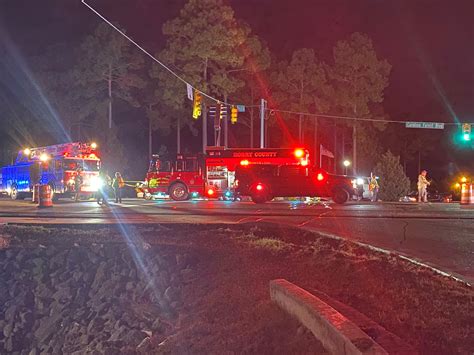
223 112
197 104
233 115
466 131
212 112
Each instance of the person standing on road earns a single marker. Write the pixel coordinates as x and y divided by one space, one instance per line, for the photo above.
423 184
118 184
374 187
77 185
103 189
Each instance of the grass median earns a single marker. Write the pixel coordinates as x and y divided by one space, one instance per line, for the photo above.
207 285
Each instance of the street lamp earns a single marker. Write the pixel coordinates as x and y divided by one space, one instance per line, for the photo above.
346 164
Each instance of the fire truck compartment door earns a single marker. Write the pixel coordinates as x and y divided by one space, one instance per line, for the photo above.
293 180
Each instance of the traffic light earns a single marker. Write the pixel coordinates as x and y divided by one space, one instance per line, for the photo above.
223 112
233 115
466 131
212 112
197 104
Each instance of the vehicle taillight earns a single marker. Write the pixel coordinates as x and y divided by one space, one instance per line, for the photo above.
320 177
259 187
244 162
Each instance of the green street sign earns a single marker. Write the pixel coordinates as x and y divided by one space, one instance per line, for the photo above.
427 125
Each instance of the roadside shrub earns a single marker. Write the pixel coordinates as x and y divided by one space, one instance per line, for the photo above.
393 181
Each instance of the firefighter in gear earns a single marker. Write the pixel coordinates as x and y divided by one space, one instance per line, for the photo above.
77 185
423 183
118 184
374 187
104 188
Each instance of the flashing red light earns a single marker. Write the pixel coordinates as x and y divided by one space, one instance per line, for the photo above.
210 192
299 153
259 187
320 177
244 162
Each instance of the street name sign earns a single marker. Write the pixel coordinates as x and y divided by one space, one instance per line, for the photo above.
428 125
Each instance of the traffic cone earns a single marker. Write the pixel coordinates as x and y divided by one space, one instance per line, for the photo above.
45 196
467 195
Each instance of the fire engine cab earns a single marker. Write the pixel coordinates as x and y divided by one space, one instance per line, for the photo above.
213 174
55 165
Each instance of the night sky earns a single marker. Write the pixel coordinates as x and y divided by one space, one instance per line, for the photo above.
429 43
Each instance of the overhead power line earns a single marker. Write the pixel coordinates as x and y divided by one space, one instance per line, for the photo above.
358 118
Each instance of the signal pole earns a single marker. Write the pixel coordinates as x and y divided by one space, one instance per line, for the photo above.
262 123
178 136
204 127
226 125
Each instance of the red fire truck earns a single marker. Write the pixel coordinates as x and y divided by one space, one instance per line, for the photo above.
55 165
213 174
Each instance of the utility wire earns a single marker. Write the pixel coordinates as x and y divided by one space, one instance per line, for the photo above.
359 118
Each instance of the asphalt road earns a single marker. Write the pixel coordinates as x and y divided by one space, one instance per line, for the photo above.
440 235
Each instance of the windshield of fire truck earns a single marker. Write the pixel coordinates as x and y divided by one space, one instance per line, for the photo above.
84 164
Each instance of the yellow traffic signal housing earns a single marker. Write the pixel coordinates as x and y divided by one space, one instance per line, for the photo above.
197 104
233 115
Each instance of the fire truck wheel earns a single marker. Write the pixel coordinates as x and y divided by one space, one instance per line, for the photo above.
14 195
340 195
179 192
259 198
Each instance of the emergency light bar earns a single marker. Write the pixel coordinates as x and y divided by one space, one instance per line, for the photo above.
67 149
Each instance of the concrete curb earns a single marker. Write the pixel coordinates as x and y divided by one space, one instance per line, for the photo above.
392 343
337 334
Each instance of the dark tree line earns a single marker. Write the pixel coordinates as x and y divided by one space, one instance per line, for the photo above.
107 88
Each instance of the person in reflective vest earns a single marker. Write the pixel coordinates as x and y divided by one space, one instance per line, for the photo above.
374 187
118 184
423 184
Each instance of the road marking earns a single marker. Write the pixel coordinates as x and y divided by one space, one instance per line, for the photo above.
250 217
396 253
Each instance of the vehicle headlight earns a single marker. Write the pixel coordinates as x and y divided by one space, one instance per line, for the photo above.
360 181
96 182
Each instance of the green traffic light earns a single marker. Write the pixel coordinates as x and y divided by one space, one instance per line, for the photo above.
467 137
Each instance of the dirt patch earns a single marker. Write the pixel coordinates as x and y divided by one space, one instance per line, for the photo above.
224 294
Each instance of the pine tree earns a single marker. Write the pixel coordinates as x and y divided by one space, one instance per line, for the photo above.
359 79
300 85
393 181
